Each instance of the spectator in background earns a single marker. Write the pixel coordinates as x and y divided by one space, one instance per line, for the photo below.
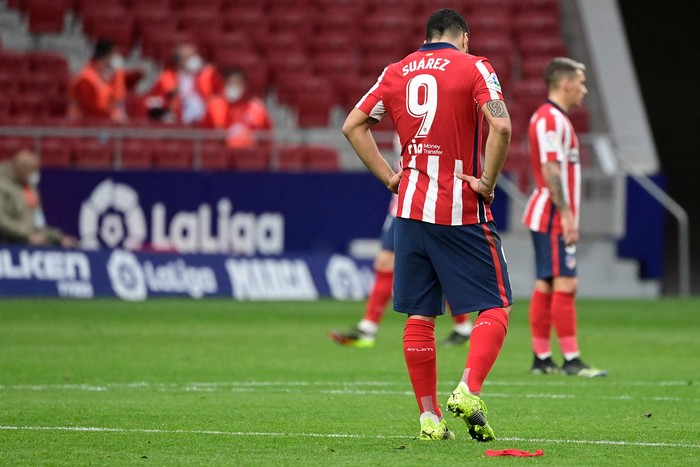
99 89
240 114
183 89
21 216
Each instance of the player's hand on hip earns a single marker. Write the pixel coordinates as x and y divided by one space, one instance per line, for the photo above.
478 186
393 182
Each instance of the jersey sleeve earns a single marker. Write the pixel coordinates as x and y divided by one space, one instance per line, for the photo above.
549 139
371 103
486 85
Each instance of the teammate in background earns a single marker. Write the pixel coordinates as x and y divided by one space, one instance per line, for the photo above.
552 215
446 244
240 114
364 334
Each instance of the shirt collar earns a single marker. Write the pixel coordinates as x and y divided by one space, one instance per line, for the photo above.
556 105
436 46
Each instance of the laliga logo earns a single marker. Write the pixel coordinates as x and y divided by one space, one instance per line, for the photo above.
113 214
126 275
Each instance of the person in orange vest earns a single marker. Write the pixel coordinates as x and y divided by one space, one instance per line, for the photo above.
240 114
99 89
183 89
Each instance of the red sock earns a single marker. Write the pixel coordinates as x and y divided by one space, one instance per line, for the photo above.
564 317
487 339
421 361
541 322
379 296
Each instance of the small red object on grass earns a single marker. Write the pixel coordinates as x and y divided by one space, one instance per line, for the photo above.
513 452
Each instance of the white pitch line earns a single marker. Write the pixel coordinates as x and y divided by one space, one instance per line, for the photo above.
329 435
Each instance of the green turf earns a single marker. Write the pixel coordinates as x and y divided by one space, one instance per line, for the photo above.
218 382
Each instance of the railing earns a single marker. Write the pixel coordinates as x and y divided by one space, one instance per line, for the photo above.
612 161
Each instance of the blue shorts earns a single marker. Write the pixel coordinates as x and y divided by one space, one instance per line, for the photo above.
464 265
387 239
552 257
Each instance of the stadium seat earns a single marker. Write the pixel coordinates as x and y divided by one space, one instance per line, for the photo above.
534 66
291 18
214 156
251 21
580 118
92 154
9 146
319 158
46 16
55 153
490 20
250 159
345 19
333 40
110 22
542 45
335 64
534 23
290 159
160 45
314 105
174 154
529 94
196 19
137 154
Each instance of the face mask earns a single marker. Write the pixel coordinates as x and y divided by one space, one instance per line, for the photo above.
34 178
233 93
194 63
116 62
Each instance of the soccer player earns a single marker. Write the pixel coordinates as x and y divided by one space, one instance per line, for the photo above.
364 333
446 244
552 216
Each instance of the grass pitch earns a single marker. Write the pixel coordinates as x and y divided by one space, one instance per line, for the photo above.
219 382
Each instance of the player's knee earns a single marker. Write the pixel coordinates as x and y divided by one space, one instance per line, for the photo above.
566 284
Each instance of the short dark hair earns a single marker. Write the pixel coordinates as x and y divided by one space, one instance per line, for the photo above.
560 67
445 21
103 47
234 70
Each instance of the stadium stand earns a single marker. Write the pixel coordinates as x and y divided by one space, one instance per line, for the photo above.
322 57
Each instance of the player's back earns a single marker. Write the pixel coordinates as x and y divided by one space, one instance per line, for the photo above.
429 97
433 96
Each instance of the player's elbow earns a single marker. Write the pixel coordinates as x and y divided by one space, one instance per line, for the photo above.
502 128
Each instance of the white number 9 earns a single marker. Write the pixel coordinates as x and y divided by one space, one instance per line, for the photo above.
426 109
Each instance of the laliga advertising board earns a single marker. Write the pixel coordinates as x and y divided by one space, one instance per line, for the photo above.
246 214
246 236
249 236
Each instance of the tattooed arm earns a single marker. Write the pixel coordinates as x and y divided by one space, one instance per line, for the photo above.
497 144
552 176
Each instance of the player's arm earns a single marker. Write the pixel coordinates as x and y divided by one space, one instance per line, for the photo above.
551 171
496 150
357 130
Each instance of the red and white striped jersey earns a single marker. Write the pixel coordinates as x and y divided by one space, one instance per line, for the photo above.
552 138
433 97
